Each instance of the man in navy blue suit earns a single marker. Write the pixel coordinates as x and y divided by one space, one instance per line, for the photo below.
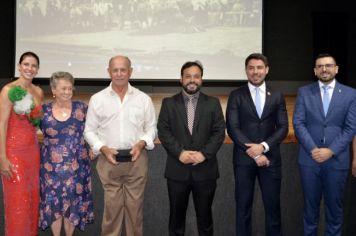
257 123
324 123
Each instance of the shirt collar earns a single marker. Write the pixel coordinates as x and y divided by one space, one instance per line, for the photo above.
331 85
186 96
252 87
130 89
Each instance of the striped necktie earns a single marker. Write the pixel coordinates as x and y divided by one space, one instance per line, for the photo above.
190 114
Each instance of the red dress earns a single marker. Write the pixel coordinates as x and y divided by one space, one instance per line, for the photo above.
21 193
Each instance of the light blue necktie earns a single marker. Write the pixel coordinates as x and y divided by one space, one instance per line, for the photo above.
326 99
258 102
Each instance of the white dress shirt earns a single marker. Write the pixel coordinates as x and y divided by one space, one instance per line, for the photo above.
330 90
120 124
262 91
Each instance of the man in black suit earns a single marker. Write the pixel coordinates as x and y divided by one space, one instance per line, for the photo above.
191 128
257 122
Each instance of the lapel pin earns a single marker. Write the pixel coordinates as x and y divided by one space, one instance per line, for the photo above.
339 90
268 93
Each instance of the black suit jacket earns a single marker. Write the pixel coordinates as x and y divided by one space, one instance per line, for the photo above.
208 135
244 125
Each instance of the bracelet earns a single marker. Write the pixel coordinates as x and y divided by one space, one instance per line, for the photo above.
256 157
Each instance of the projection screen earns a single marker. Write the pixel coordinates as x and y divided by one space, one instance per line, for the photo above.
80 36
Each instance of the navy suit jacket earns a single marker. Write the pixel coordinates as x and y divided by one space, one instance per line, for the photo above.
335 131
208 136
245 126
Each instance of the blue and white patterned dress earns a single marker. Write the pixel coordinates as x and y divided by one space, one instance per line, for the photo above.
65 175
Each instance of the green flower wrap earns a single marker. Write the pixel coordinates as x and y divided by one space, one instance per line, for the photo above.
36 122
16 93
25 105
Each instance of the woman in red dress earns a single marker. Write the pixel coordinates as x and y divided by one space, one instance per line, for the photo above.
20 103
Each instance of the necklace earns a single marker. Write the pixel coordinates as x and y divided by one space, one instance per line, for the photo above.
64 114
63 111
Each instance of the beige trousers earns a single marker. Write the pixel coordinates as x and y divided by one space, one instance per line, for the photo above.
124 187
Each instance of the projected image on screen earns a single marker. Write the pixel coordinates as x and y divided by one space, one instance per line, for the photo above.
80 36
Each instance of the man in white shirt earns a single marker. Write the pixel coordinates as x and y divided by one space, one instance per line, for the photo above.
121 117
257 122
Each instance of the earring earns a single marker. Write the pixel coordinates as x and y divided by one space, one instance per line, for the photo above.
54 96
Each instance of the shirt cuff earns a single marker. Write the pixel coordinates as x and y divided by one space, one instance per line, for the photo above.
266 147
96 148
149 142
256 157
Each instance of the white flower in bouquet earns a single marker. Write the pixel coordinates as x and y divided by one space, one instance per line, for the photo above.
24 106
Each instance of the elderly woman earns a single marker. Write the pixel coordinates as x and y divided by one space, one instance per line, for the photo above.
65 177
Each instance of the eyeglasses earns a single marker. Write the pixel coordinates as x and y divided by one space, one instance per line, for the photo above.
326 66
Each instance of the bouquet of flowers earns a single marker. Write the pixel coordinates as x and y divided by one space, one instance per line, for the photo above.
25 105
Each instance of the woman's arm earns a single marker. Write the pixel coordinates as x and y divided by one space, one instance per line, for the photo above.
6 167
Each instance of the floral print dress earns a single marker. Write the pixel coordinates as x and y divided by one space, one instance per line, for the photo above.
65 175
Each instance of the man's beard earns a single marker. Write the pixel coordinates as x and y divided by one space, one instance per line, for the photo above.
185 87
326 79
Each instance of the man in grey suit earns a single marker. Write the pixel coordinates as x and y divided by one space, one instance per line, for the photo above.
324 123
191 128
257 123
